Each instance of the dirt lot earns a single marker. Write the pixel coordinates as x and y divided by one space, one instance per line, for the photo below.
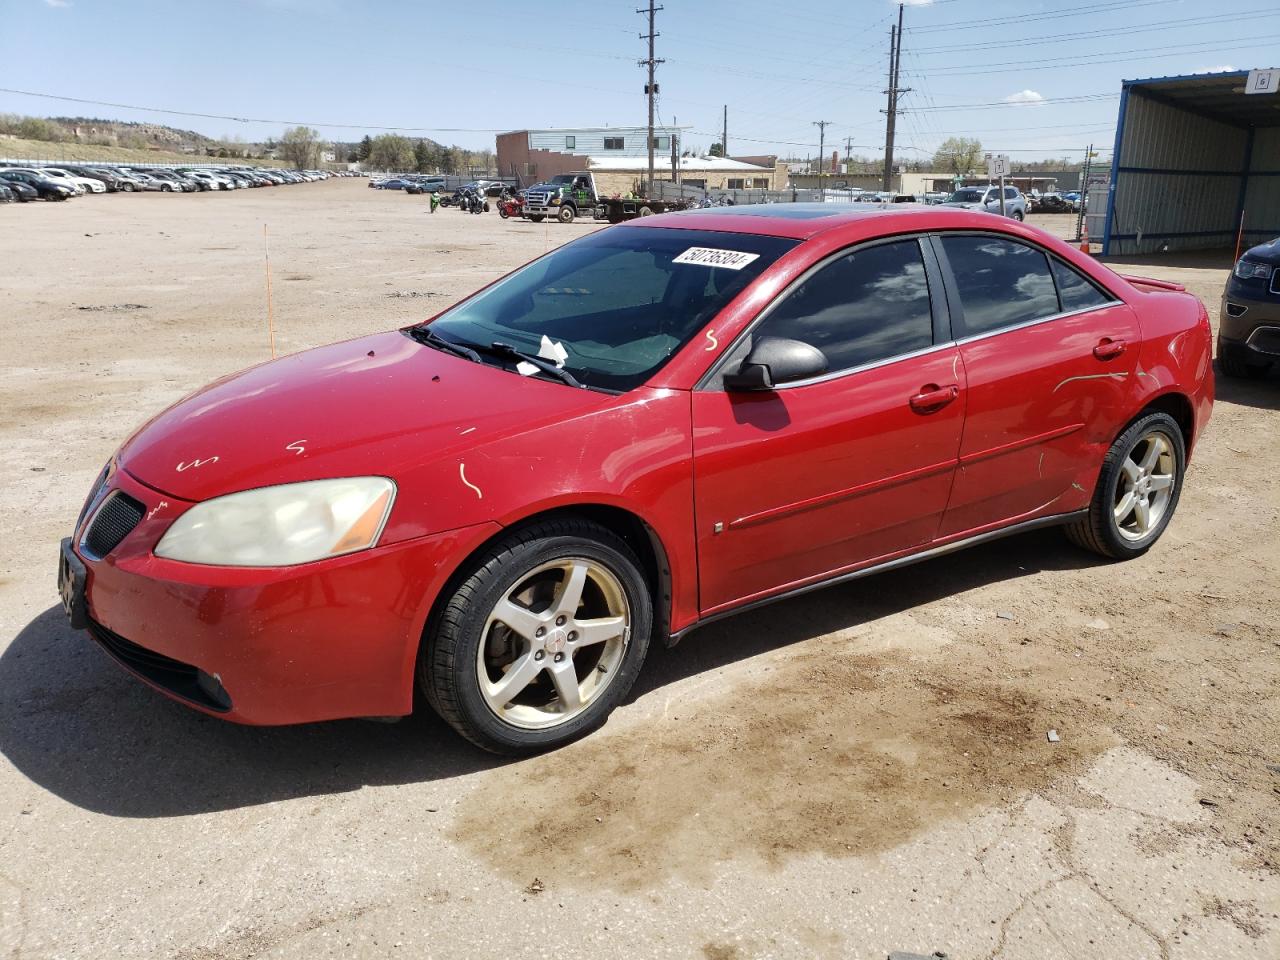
861 770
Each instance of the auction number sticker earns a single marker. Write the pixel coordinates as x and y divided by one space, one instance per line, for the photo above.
711 257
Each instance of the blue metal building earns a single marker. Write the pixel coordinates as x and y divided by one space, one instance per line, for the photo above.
1193 155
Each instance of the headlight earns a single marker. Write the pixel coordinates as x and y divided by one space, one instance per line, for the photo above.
1248 270
284 525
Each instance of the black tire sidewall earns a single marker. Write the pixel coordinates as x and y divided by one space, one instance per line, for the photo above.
561 216
1104 519
489 583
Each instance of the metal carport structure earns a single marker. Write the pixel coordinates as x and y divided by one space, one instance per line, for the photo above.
1192 155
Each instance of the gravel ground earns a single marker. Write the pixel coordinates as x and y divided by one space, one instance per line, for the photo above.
861 770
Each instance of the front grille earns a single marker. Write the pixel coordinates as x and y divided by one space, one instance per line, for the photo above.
113 522
181 679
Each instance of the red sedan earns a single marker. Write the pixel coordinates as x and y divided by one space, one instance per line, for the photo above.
654 426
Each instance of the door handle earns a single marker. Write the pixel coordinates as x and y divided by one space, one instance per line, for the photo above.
933 397
1108 349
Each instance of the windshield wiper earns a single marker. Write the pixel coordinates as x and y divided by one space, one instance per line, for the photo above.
507 350
429 336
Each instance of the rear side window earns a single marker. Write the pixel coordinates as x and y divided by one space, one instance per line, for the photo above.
1075 291
1001 283
869 305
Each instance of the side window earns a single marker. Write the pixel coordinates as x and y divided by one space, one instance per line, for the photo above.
868 305
1010 193
1001 283
1075 292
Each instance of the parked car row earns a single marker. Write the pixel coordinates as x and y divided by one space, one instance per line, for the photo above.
64 181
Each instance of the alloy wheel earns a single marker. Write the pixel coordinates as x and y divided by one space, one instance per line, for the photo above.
553 643
1144 487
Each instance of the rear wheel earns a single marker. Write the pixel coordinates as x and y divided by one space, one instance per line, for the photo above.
1137 492
566 215
502 212
645 212
1018 215
541 640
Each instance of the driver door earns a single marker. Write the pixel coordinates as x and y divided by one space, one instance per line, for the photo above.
815 478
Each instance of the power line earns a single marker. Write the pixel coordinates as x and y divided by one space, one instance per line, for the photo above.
983 23
1083 35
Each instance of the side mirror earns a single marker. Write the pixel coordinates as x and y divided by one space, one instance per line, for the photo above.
776 360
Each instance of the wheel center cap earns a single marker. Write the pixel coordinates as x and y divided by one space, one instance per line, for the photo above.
556 640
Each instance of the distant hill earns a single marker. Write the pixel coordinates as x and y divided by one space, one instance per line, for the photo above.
97 132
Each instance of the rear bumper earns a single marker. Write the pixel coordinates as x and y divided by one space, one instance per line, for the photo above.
318 641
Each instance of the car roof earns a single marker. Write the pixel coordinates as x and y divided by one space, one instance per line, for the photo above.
802 221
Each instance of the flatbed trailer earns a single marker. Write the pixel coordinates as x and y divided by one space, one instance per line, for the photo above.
616 210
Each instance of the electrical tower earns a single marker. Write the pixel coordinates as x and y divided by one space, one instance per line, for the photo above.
650 88
894 91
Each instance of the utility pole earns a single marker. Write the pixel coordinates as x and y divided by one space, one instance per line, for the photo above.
822 139
891 114
724 134
650 88
848 156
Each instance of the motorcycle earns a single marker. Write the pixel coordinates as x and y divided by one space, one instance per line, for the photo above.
510 205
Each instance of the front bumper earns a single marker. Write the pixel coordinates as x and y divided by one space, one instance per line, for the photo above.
1249 327
317 641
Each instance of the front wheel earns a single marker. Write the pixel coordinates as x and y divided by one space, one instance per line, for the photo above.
535 218
566 215
1137 492
541 640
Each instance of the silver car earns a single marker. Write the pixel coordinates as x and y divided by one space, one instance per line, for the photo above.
988 199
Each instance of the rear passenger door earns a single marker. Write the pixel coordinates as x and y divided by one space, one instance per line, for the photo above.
1047 357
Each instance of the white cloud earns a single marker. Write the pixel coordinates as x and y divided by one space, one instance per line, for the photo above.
1024 96
1222 68
57 3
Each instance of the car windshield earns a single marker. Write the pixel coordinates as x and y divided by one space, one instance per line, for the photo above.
615 305
966 196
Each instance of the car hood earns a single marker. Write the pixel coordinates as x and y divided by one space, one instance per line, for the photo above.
382 405
964 205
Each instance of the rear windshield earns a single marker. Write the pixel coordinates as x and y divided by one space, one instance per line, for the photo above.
616 304
966 196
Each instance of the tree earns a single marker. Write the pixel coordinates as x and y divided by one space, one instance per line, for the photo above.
363 150
958 155
717 150
301 147
391 152
422 157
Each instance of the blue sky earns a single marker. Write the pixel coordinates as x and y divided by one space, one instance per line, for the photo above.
391 63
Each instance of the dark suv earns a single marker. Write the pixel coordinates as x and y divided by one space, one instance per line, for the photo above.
1249 326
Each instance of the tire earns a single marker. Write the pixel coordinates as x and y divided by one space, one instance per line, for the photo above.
129 188
1018 215
566 214
1125 536
502 212
1239 370
535 218
645 212
467 646
165 188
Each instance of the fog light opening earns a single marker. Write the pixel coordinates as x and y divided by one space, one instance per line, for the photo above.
211 686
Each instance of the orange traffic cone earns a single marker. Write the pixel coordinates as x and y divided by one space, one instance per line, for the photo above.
1084 238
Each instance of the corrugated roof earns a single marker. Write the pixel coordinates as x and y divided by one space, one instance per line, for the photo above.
1220 95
